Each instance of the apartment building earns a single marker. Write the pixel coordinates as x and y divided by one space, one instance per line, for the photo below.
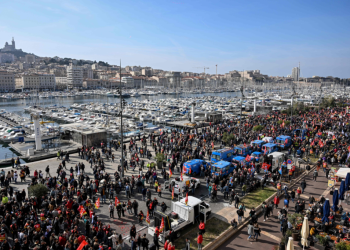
7 81
36 81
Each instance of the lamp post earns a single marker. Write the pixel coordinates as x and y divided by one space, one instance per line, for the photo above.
122 104
291 104
319 104
240 117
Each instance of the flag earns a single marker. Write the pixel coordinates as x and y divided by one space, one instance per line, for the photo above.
183 178
80 207
333 138
147 218
283 124
247 158
82 245
116 201
97 204
82 212
186 199
161 228
170 173
172 194
280 171
142 217
321 144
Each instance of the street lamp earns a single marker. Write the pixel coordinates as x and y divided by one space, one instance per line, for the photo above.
240 117
319 104
122 105
291 104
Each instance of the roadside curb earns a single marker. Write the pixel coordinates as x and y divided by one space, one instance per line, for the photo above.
228 233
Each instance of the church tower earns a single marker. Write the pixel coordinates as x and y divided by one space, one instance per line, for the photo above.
13 43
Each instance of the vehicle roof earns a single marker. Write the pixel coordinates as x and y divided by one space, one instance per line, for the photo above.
195 161
242 146
257 141
222 150
239 158
221 164
257 153
284 136
270 144
276 154
192 201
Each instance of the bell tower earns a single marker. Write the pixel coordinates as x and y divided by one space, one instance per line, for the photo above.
13 43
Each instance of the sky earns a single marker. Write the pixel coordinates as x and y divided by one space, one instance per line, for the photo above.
181 35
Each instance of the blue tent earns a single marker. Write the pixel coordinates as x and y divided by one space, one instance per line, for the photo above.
347 182
342 190
335 200
326 211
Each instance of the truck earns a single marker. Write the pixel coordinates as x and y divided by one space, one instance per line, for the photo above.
300 133
180 216
268 139
194 165
224 154
222 168
179 185
242 150
258 143
238 159
256 157
284 141
277 159
270 148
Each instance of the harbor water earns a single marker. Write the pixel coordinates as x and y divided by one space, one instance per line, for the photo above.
17 106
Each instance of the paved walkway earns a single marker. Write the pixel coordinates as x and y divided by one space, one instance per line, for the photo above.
270 234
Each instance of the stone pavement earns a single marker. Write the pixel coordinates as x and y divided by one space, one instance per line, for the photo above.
270 234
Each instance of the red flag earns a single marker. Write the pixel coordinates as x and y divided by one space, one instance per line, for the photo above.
147 218
161 226
82 212
97 204
333 138
247 158
321 144
186 199
183 178
170 173
82 245
172 194
116 201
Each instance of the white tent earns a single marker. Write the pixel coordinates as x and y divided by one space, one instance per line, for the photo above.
342 172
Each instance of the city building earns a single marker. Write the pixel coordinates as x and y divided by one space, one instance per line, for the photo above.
61 82
295 73
29 58
74 76
7 58
128 81
7 81
36 81
88 73
97 83
146 72
173 79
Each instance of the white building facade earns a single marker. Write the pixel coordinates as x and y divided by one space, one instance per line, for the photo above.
7 81
74 76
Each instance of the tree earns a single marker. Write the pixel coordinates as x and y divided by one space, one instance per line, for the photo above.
258 128
38 190
226 138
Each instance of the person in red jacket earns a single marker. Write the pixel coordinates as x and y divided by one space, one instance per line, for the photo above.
202 227
156 231
171 246
166 245
276 201
199 240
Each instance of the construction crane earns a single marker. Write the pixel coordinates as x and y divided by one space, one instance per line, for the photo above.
202 68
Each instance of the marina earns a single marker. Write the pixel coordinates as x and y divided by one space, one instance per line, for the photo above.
146 111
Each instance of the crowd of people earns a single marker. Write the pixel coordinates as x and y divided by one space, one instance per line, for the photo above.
66 216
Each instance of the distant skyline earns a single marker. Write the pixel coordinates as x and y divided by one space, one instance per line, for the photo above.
273 36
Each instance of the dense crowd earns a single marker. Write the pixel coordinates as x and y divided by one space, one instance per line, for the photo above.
66 218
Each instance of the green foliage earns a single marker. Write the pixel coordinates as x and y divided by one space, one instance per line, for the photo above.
38 190
342 246
160 157
286 123
258 128
295 219
328 102
322 240
226 137
280 122
298 107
